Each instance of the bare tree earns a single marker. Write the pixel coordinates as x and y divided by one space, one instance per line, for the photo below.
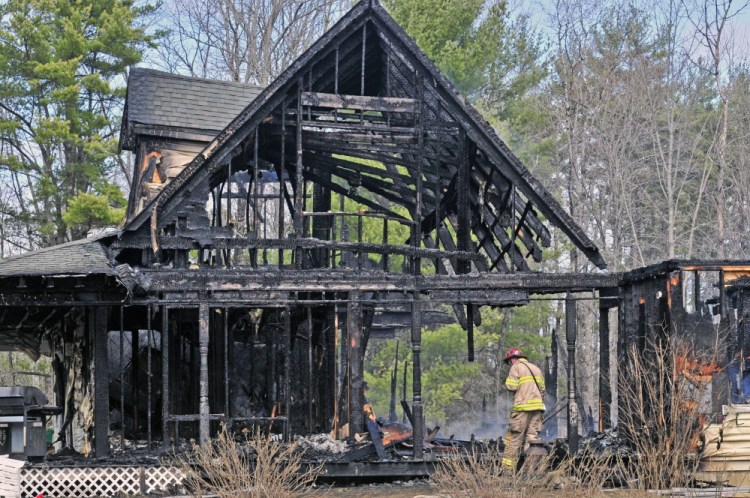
250 41
712 22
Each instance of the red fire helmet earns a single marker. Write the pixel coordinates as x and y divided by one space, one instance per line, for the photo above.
513 353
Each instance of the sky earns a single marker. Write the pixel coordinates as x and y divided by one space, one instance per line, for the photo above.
539 11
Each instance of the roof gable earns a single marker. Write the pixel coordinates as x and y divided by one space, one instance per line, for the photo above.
430 136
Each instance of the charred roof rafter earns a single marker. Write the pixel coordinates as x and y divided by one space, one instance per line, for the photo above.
383 144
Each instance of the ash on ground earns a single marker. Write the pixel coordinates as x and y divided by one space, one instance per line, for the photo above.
322 444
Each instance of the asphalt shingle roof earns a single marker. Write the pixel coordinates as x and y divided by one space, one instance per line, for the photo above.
164 99
80 257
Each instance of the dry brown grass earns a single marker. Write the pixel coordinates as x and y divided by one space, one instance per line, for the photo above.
247 467
482 476
660 399
659 415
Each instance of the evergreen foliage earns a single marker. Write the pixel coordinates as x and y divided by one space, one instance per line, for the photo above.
62 72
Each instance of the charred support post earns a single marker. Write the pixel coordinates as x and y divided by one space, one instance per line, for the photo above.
135 366
225 343
605 396
470 331
149 374
310 373
164 377
203 427
416 351
98 332
356 395
570 336
122 377
605 392
550 379
287 369
298 180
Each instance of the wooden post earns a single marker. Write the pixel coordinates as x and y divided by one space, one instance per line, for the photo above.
287 372
98 333
570 336
203 334
605 393
164 377
416 350
356 394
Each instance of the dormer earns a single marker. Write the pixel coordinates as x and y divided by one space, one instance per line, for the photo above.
168 120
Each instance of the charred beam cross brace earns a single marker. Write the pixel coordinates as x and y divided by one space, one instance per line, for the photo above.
98 332
570 337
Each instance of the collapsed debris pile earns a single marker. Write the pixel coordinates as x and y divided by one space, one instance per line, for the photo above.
384 442
607 443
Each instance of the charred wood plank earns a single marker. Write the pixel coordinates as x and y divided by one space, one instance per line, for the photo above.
377 441
407 409
481 297
362 200
463 229
402 196
508 246
373 138
393 174
358 102
384 152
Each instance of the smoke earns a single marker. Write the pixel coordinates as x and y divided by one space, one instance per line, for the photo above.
493 423
489 422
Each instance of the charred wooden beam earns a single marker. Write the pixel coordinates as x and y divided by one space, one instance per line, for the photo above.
605 394
287 370
358 102
508 245
298 182
354 316
570 337
399 179
341 190
164 279
416 351
463 230
98 320
203 338
165 391
502 298
122 376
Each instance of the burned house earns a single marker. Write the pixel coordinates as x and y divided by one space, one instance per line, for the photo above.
243 286
271 233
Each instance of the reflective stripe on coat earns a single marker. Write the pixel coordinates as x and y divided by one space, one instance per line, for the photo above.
523 379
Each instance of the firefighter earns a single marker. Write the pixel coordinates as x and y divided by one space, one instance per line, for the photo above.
527 382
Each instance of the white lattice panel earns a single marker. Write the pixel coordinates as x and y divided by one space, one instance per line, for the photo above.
160 478
65 482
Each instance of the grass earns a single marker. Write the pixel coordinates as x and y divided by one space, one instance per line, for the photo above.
659 415
247 466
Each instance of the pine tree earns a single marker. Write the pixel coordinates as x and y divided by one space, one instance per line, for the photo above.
62 68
